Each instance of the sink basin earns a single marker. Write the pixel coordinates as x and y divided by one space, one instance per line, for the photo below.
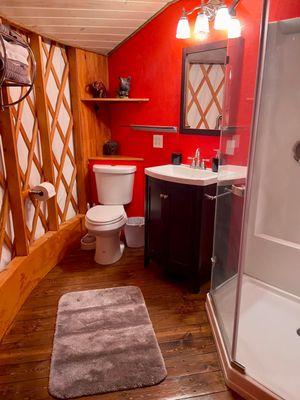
183 174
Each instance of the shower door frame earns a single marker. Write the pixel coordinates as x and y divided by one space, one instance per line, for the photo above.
253 139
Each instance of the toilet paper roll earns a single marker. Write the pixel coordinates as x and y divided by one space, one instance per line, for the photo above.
44 191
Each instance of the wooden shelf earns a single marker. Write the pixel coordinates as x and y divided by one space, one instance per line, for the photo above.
114 100
115 158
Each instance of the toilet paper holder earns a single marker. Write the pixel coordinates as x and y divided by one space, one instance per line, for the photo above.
33 191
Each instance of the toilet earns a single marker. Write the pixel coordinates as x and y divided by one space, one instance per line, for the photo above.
114 185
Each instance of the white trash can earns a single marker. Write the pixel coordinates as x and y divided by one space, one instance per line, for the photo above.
135 231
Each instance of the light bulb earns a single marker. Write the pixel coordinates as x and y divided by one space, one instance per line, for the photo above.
183 28
222 18
201 24
234 28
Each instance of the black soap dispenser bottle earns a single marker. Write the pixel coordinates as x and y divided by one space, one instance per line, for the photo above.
216 161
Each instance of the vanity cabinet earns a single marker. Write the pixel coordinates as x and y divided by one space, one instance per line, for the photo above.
179 229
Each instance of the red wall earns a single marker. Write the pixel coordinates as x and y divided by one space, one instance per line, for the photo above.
152 58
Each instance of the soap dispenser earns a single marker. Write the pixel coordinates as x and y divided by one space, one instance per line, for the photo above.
216 161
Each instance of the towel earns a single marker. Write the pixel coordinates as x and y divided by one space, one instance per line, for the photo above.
4 29
15 71
15 52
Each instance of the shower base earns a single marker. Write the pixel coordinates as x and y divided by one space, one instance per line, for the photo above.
268 344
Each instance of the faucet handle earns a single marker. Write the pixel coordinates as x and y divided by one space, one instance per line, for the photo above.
203 163
193 162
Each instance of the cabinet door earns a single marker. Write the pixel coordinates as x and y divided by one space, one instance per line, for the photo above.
184 208
155 220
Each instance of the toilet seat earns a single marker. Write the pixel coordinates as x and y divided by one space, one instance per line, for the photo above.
105 215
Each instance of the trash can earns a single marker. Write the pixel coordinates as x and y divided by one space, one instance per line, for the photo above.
134 231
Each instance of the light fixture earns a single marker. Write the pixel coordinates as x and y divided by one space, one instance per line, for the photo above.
183 28
234 28
209 10
222 18
201 24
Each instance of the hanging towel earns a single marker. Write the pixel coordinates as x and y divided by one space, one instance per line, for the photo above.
15 52
4 29
15 71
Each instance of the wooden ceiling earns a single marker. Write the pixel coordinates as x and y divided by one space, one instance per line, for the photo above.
96 25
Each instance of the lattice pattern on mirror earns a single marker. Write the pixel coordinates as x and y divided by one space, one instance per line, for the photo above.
7 248
61 121
205 95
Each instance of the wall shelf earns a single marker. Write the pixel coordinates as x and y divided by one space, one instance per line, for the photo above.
115 158
114 100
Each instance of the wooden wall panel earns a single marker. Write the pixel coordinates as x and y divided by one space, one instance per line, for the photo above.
90 126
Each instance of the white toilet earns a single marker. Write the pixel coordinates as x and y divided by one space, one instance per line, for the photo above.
114 188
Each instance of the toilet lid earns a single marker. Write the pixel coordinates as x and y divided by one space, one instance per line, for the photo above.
102 215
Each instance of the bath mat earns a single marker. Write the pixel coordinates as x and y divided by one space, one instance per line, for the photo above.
104 342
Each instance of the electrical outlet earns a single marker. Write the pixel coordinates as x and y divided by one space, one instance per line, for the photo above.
158 141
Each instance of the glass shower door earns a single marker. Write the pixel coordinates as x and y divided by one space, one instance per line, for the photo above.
234 146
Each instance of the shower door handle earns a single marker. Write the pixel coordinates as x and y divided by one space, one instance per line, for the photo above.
236 190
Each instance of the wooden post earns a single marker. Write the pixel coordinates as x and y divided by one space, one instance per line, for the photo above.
44 127
81 156
13 178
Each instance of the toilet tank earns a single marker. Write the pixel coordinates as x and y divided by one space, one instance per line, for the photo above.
114 183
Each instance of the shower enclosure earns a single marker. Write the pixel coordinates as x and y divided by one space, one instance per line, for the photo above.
254 303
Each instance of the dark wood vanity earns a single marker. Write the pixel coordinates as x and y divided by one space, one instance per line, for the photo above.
179 229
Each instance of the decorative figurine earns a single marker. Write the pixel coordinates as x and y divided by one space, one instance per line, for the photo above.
98 89
124 88
110 148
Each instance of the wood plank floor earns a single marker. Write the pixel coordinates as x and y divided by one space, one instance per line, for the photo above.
178 317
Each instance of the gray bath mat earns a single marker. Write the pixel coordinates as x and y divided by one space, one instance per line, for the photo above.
104 342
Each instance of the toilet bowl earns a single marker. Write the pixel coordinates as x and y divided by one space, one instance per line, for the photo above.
114 188
106 223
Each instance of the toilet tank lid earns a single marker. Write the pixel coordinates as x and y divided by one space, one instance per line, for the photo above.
114 169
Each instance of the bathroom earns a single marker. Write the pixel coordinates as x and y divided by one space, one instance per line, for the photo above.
149 227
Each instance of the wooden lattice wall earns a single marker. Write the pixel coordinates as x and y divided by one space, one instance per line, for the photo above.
56 67
38 146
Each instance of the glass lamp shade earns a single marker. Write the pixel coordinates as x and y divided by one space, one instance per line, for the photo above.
183 29
234 28
222 18
201 24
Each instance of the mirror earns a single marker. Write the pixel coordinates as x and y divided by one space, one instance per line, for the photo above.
202 88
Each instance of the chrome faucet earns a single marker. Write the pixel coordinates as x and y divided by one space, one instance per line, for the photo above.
196 160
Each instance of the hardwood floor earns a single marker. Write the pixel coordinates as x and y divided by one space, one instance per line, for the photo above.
178 317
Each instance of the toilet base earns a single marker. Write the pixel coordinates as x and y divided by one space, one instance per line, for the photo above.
109 249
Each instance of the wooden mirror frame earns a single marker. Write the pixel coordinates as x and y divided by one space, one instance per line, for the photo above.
185 53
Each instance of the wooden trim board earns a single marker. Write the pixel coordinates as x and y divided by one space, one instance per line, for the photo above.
44 127
24 273
115 100
240 382
14 187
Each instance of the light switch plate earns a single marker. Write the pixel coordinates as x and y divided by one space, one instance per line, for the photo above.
158 141
230 147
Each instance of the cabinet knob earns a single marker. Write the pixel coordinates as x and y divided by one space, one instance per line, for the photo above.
163 196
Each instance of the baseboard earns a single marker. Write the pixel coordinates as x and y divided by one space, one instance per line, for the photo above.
24 273
238 381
